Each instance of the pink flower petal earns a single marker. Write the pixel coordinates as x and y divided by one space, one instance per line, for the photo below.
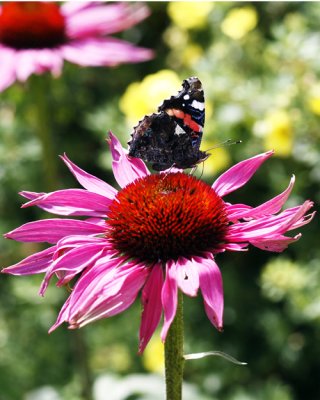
72 263
104 300
90 182
152 306
270 207
37 61
266 227
72 202
34 264
104 19
187 276
72 7
239 174
7 67
277 244
103 52
51 230
125 169
169 298
63 315
212 290
70 242
48 60
31 195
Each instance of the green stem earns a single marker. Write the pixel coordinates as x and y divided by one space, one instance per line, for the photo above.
173 350
42 115
84 371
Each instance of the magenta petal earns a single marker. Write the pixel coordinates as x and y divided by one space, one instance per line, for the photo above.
125 169
152 306
272 206
31 195
267 227
212 290
187 276
71 263
109 293
34 264
72 202
276 244
63 315
90 182
52 230
238 175
169 298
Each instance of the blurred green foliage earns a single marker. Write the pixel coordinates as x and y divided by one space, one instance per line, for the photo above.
260 70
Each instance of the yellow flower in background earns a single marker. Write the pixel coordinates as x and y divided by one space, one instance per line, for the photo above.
144 97
279 133
314 100
191 54
153 356
239 22
189 15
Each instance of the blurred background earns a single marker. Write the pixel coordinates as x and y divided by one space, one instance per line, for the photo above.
259 64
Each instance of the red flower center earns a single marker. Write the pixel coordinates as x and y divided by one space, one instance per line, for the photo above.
31 25
162 217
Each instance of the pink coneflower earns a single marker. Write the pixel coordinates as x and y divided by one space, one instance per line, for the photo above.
38 36
158 234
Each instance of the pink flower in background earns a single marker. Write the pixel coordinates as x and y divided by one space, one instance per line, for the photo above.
158 234
38 36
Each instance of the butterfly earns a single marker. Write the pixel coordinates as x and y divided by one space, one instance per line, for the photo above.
172 136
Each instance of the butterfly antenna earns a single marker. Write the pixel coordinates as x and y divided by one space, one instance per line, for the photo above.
225 143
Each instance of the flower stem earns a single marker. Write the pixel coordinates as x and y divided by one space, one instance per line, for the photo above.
173 350
81 357
42 116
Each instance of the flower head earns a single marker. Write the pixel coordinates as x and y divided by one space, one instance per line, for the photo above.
38 36
158 234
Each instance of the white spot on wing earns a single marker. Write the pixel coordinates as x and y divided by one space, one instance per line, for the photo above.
186 97
198 105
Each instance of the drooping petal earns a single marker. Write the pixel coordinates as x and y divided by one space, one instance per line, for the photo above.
34 264
31 195
238 175
272 206
71 263
72 202
90 182
74 241
62 316
266 227
277 244
212 290
169 298
104 19
109 293
25 64
187 276
125 169
152 306
7 67
52 230
72 7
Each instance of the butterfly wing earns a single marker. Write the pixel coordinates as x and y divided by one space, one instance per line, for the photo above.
172 136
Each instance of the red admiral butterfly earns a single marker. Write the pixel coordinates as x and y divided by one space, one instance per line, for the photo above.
172 137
